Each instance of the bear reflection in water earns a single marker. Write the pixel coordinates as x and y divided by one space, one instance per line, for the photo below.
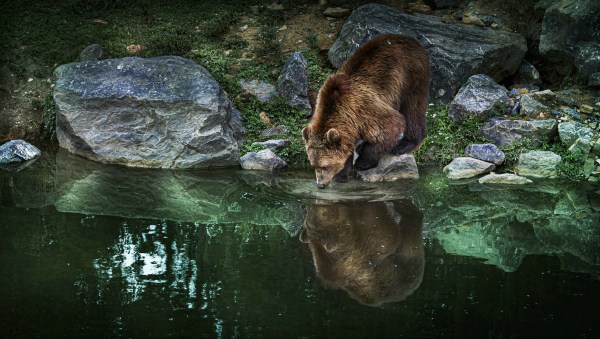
373 251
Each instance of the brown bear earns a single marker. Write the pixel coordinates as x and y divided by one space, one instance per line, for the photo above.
372 250
378 96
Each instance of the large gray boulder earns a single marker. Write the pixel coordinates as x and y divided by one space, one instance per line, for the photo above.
165 112
570 36
480 97
506 132
456 51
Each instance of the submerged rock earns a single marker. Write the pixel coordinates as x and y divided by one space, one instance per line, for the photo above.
480 97
165 112
467 167
456 52
265 160
538 164
504 178
390 168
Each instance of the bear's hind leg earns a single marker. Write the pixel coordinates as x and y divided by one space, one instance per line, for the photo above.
369 155
406 146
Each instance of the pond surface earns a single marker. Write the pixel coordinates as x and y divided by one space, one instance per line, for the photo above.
89 250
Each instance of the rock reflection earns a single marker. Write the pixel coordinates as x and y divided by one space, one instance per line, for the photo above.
371 250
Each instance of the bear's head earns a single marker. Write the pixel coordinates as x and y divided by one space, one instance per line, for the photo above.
328 139
326 153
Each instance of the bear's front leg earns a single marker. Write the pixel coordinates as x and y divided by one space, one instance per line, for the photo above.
342 176
369 155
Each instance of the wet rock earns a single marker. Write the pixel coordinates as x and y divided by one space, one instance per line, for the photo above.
587 58
456 51
293 81
480 97
596 147
262 91
504 178
275 144
572 131
571 112
538 164
530 106
527 74
570 31
92 53
390 168
467 167
506 132
594 80
265 160
486 152
581 147
336 12
17 155
165 112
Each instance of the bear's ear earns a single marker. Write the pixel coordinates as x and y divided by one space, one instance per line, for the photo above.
306 133
332 136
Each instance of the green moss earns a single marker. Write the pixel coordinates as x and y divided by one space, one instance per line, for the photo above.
446 139
279 113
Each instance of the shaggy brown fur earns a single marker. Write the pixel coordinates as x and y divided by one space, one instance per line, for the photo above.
378 96
373 251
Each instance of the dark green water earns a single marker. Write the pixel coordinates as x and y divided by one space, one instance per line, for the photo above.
98 251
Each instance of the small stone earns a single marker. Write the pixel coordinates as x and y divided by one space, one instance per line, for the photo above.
486 152
17 155
274 144
419 7
262 91
283 28
273 130
570 132
92 53
244 28
472 20
586 109
538 164
265 160
530 106
467 167
134 49
505 178
571 112
336 12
